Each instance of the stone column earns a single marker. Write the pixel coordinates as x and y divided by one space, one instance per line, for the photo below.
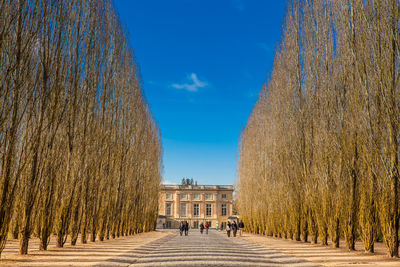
203 206
189 207
177 205
215 208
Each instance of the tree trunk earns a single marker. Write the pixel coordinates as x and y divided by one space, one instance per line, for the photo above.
23 245
15 231
84 235
298 230
324 236
25 235
44 242
336 235
93 235
60 239
305 230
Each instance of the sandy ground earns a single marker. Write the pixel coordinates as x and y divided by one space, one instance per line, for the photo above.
112 252
163 248
326 256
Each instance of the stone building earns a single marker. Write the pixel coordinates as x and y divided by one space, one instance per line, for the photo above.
195 204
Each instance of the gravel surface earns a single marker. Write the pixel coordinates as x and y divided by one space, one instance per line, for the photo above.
327 255
214 249
111 252
160 248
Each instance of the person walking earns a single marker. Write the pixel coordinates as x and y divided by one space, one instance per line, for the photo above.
201 228
181 228
241 226
234 228
186 228
228 229
207 226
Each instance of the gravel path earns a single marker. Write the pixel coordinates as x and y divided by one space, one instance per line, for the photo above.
214 249
113 252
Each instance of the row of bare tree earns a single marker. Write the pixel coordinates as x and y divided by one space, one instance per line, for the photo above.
319 157
80 154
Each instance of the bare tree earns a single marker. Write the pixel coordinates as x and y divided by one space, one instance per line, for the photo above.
81 153
319 154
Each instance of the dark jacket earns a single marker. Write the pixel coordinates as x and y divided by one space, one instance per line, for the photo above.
234 227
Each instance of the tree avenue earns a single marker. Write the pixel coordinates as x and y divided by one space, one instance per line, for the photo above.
319 157
80 154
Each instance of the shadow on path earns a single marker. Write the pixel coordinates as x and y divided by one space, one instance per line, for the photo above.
213 249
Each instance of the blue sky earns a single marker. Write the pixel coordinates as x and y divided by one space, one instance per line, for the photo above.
203 63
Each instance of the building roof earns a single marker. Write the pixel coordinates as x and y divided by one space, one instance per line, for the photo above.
196 187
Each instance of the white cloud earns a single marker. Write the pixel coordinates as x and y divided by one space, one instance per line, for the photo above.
238 4
192 85
265 47
253 94
167 182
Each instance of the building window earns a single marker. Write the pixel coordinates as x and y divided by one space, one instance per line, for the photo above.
183 196
223 196
208 209
168 196
183 210
223 210
208 196
196 196
168 209
196 210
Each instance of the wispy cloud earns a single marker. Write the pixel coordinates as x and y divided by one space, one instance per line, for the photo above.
192 83
238 4
252 94
248 75
152 82
167 182
265 47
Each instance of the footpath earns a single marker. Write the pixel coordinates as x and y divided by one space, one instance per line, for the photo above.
214 249
326 255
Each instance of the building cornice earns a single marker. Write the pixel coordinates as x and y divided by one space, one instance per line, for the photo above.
197 187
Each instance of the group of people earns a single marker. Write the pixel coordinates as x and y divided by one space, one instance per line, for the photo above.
202 227
184 228
230 227
234 227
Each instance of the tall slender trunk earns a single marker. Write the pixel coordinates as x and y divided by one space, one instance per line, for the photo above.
31 186
298 229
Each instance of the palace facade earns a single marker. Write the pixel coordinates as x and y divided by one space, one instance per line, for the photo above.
195 204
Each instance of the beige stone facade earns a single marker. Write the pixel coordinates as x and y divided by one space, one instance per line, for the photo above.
195 204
